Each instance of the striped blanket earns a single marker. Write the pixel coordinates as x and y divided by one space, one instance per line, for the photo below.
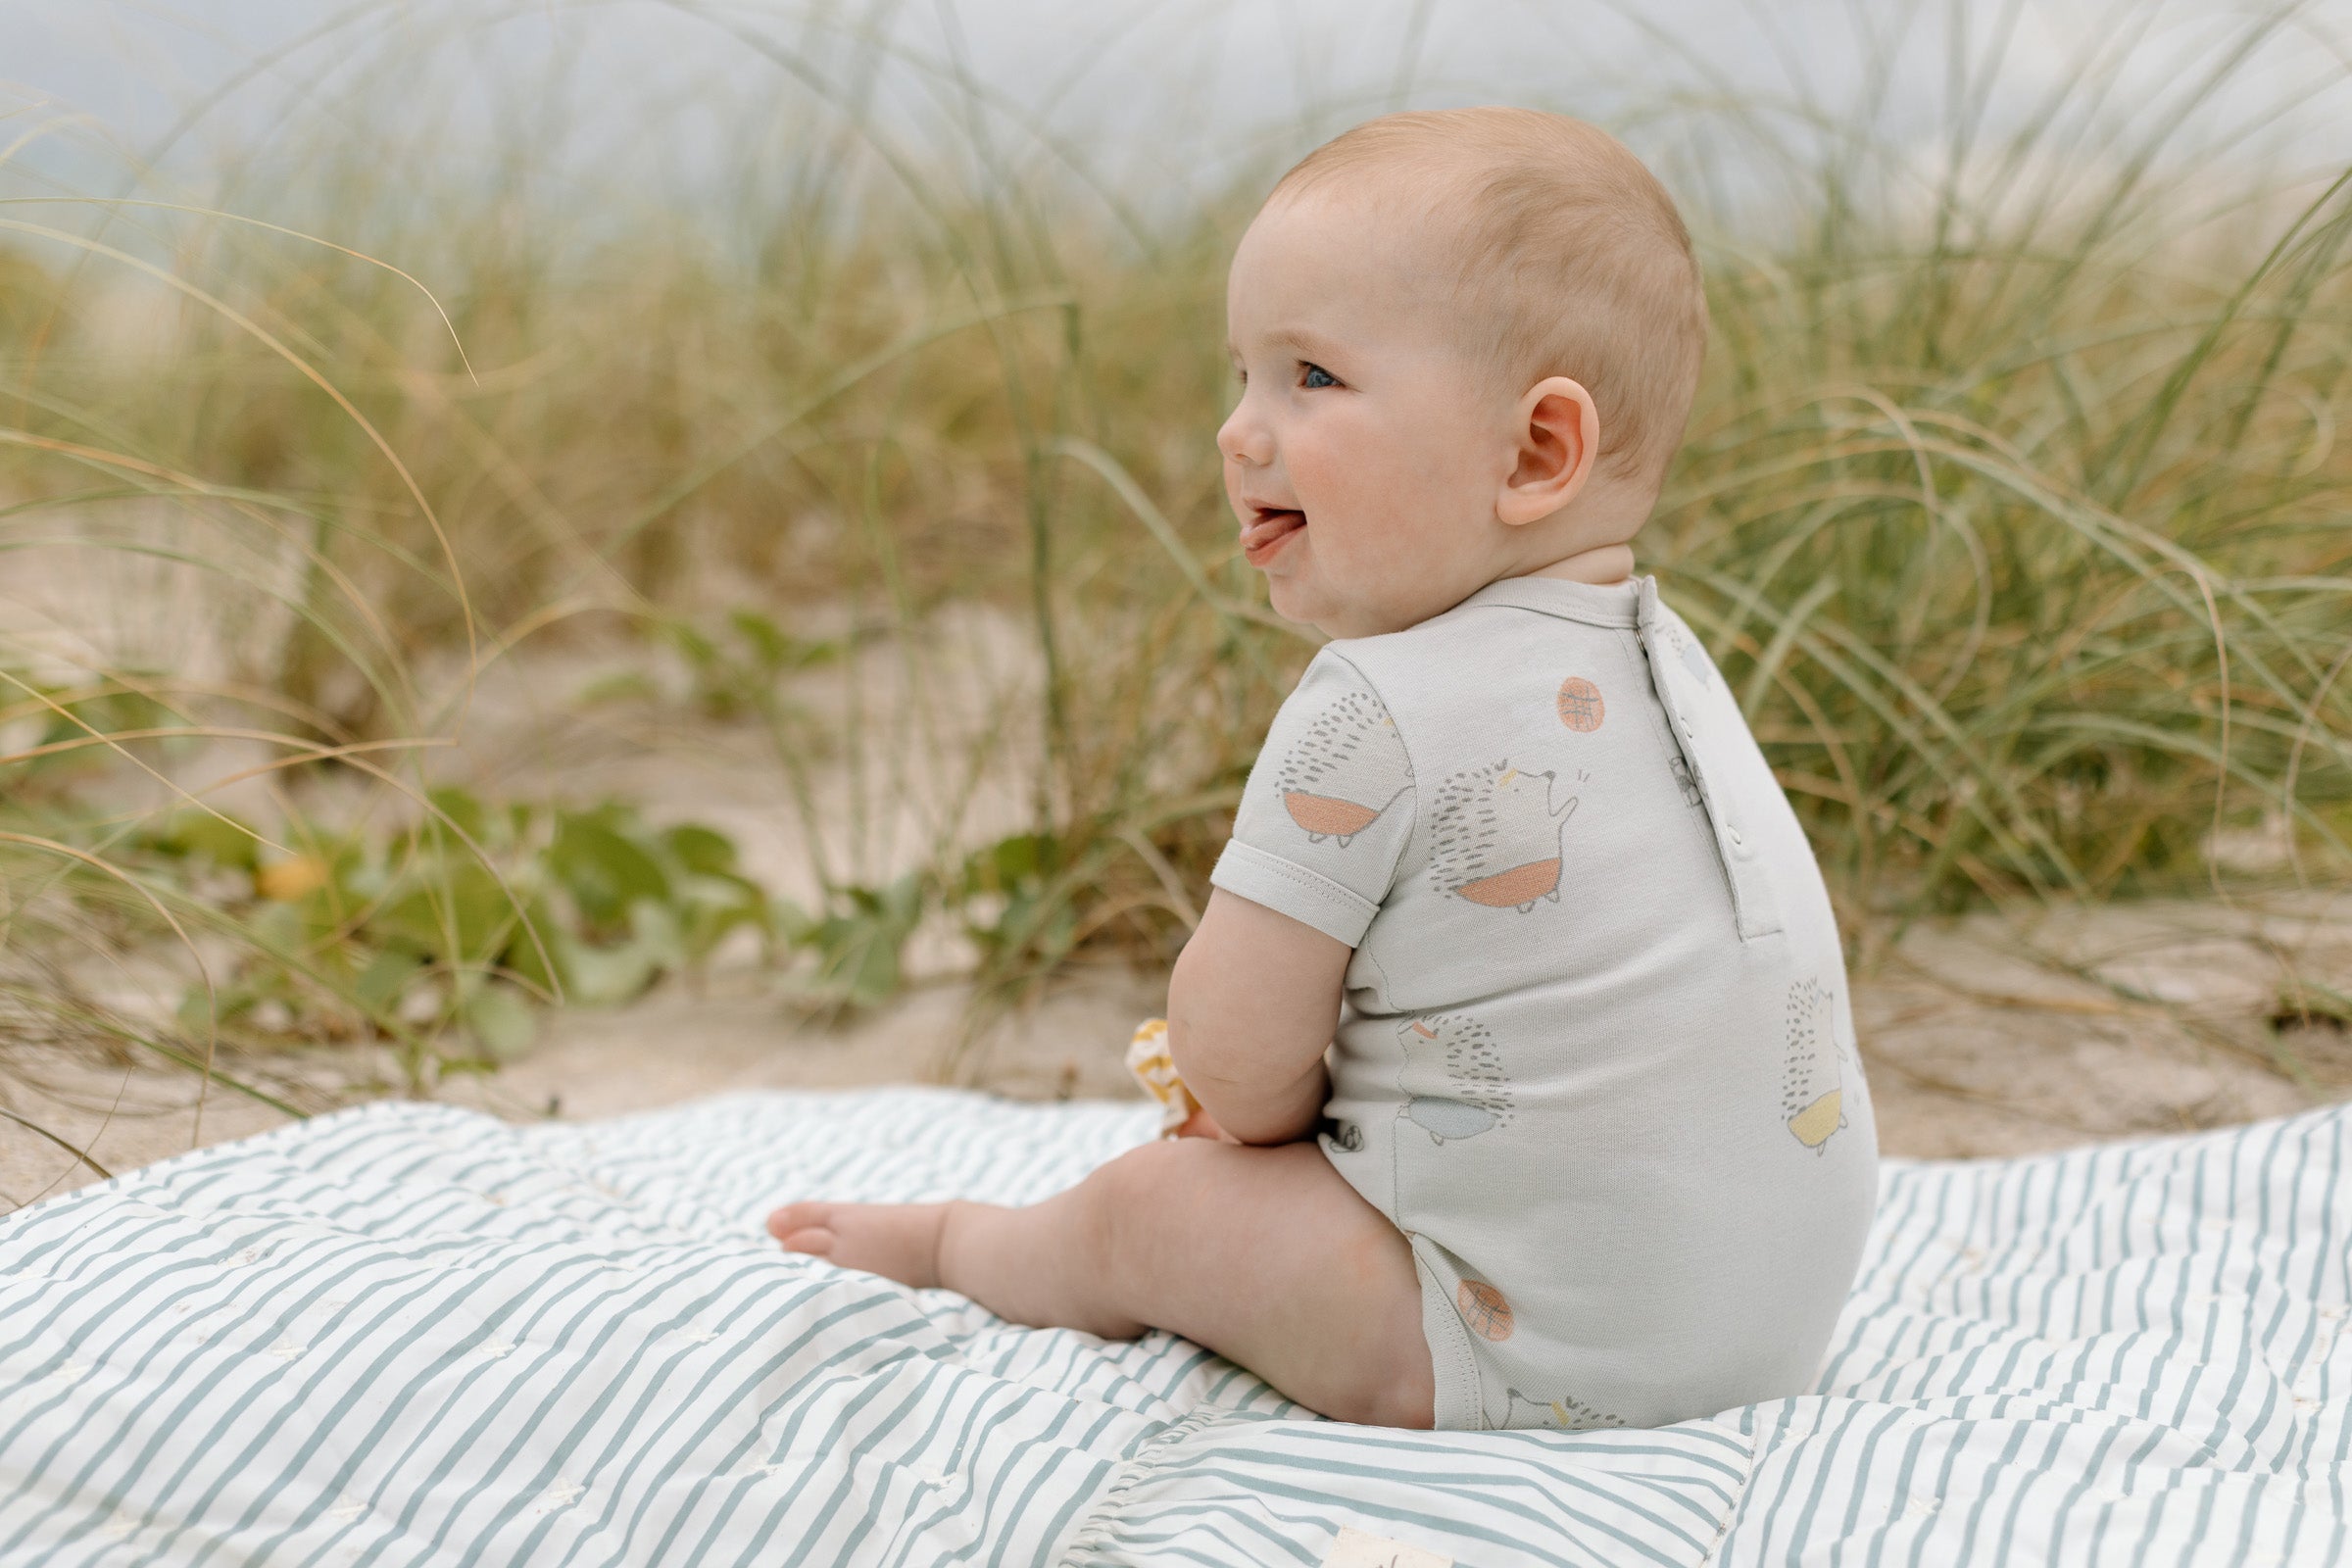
410 1334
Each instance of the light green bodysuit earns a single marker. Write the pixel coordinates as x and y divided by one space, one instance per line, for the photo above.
1596 1056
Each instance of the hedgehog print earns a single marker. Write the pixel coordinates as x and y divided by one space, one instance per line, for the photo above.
1683 779
1813 1083
1567 1412
1495 837
1346 770
1694 657
1452 1077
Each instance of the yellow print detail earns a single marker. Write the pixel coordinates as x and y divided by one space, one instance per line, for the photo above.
1566 1412
1813 1080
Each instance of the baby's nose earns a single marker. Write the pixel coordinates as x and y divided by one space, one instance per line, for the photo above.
1244 439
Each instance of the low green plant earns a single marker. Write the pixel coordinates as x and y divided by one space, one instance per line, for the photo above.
739 667
443 937
858 942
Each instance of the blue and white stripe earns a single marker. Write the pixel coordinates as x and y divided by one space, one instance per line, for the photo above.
409 1333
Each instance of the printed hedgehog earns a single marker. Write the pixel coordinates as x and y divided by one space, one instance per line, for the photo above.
1346 770
1693 656
1495 837
1812 1085
1566 1412
1453 1077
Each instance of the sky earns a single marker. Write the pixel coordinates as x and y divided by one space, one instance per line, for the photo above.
1159 101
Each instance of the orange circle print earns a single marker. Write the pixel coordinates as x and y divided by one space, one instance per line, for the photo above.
1580 704
1483 1309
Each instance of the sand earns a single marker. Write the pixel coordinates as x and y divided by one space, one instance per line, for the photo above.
2003 1033
1982 1037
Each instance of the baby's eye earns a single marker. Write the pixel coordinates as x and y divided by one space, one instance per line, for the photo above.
1316 376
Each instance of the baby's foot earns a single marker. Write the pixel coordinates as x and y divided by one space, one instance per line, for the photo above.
897 1240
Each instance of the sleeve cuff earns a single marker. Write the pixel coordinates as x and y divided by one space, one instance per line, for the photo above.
1291 889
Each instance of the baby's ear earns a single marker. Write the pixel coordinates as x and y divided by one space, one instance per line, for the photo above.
1558 436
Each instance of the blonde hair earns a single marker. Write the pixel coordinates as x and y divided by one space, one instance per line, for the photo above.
1573 260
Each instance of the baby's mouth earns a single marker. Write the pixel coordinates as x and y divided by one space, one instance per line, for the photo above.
1265 531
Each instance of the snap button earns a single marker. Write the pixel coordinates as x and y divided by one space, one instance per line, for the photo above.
1732 833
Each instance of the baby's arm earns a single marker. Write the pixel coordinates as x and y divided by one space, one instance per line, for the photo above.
1251 1008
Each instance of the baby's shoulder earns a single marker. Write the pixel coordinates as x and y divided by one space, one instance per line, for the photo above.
1456 654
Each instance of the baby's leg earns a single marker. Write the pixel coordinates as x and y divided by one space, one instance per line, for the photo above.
1264 1254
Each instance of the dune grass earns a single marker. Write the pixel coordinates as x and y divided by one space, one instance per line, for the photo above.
2012 508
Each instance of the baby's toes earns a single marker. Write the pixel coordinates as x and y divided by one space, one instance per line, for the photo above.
803 1227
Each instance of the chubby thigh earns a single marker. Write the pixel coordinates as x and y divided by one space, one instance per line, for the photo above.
1266 1255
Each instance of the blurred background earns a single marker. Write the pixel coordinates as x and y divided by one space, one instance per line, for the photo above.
574 553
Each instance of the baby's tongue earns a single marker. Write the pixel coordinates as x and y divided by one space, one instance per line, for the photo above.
1269 528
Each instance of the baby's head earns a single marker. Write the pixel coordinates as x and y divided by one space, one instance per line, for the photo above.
1468 342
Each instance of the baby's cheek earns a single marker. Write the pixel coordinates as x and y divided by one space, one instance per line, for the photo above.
1375 495
1388 515
1318 476
1339 496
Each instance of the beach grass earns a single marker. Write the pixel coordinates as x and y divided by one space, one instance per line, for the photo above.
2013 510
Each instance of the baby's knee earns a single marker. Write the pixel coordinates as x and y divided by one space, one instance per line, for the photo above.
1140 1200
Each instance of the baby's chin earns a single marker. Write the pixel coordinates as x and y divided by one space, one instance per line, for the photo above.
1333 614
1303 604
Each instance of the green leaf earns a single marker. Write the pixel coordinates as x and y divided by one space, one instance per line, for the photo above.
701 848
875 978
277 927
604 871
463 915
600 977
521 952
790 921
200 1008
464 811
202 836
629 685
1008 865
706 918
774 650
699 650
770 644
859 946
500 1019
658 934
385 980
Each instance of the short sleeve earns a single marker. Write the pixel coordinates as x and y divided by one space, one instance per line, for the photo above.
1328 808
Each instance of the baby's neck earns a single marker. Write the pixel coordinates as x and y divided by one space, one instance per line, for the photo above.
1604 564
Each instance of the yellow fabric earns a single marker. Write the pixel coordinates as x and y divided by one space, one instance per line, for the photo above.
1148 1060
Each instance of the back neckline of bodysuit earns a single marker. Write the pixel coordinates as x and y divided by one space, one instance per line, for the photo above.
1616 604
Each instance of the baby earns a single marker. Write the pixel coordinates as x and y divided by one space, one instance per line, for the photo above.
1517 1012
